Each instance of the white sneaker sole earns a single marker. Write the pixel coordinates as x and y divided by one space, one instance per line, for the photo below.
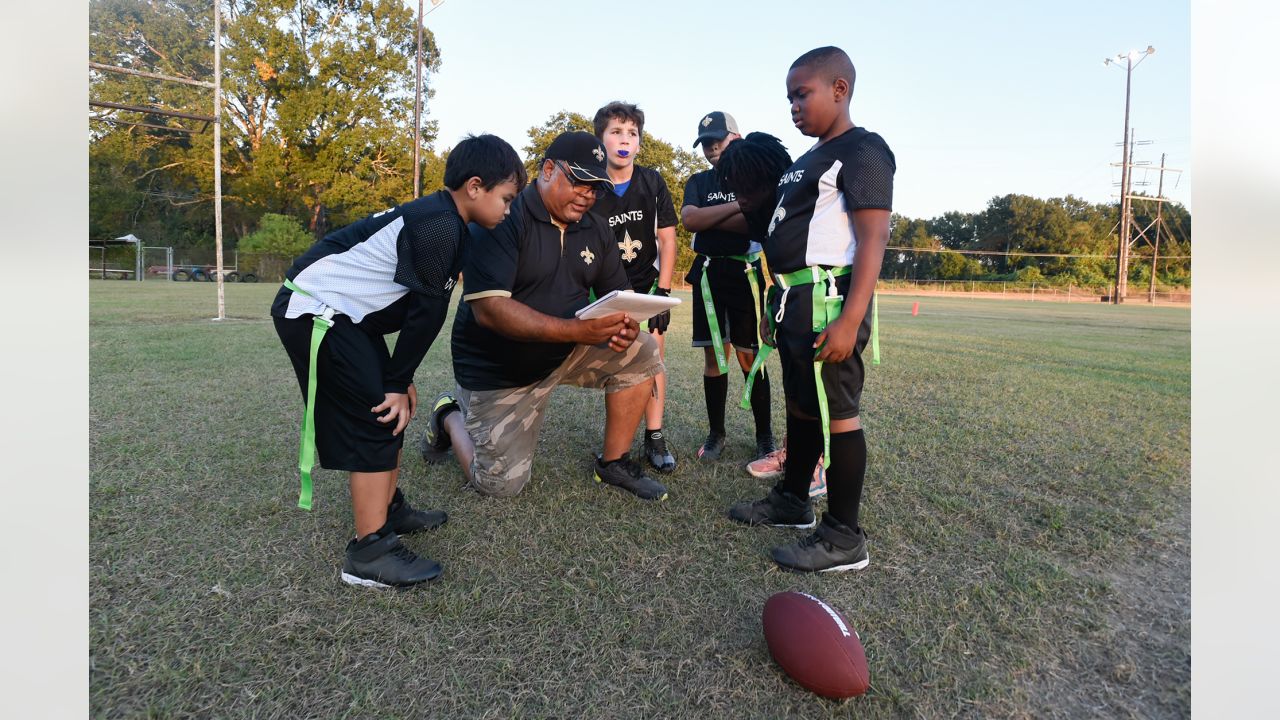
810 526
350 579
851 566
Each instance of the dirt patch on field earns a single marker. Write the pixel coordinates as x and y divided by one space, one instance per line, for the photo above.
1132 658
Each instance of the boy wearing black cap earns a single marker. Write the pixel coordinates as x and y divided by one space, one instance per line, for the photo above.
727 284
826 239
643 219
516 337
393 271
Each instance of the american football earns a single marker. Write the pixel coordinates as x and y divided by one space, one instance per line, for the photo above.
815 645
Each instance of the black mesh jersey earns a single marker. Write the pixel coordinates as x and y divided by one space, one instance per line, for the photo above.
528 258
635 218
703 190
812 222
392 271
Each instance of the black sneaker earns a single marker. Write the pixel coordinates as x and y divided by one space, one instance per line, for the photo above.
833 547
779 508
434 444
764 446
625 473
404 519
655 451
712 448
380 560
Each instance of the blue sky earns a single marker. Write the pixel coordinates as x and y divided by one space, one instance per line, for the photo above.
976 99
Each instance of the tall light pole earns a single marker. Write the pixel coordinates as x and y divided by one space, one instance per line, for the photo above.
1122 249
417 101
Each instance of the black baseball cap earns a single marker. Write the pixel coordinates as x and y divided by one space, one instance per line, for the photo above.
715 126
583 153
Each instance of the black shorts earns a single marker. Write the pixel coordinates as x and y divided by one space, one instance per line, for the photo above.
795 338
349 371
734 305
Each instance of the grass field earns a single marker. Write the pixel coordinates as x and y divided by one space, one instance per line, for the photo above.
1027 504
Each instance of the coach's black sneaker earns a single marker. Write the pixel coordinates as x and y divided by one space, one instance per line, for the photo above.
404 519
380 560
434 444
712 448
625 473
833 547
655 451
779 508
765 445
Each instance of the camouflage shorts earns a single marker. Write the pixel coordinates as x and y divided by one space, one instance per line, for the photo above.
504 424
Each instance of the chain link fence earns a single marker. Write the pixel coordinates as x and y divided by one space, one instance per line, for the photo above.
1035 291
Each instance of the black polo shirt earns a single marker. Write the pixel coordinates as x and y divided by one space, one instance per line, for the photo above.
527 258
703 190
634 219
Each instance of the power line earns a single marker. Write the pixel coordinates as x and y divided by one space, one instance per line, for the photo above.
1017 253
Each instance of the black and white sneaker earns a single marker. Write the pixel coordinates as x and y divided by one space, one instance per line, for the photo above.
434 444
712 447
833 547
779 508
380 560
626 474
404 519
655 451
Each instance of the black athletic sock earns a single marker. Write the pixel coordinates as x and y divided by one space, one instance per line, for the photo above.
651 434
715 389
804 445
845 476
760 409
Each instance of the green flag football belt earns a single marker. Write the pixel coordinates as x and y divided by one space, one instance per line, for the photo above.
717 339
827 305
320 325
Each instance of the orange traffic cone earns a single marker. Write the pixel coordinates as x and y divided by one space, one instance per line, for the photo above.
915 309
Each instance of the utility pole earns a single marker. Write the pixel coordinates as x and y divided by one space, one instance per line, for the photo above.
1122 255
1151 291
417 101
417 112
217 154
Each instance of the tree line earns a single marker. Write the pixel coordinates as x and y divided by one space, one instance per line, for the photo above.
318 132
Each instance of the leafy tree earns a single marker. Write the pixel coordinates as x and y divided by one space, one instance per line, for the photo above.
318 121
277 235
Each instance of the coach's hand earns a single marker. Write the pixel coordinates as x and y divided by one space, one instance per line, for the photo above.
397 407
627 335
602 329
835 344
658 323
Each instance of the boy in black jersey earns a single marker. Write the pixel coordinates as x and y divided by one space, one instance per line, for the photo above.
726 275
826 239
392 271
642 217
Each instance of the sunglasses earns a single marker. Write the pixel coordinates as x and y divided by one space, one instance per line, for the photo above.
582 187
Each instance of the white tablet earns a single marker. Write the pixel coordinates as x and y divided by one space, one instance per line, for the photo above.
639 306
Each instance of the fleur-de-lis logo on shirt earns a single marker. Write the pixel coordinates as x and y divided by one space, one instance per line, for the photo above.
706 121
778 216
587 256
598 153
628 246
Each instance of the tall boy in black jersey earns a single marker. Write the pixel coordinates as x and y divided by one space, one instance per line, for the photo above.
826 239
642 217
392 271
726 276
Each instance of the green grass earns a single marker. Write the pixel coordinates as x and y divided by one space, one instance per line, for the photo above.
1027 504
